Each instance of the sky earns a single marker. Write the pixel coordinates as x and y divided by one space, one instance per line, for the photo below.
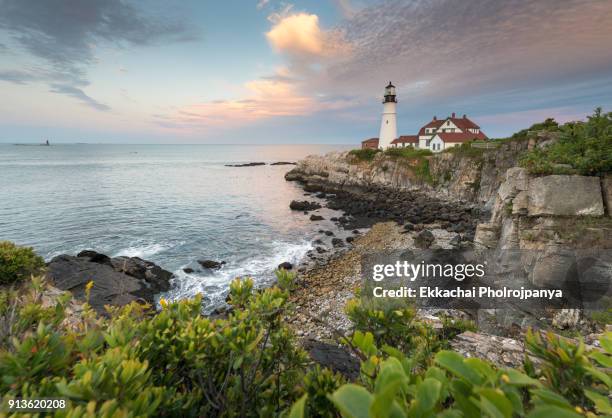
269 71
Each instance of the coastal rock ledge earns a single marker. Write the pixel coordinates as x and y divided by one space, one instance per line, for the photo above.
117 281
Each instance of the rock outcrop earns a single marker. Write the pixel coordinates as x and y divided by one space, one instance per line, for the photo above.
116 281
564 196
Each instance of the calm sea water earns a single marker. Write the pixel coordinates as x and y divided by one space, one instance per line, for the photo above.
171 204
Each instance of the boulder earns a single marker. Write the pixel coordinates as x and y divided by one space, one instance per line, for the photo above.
95 257
304 205
424 239
111 287
335 357
316 218
285 266
337 242
148 271
561 195
503 352
188 270
211 264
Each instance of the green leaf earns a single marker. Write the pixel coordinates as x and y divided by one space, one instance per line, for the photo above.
495 403
602 403
606 342
353 401
454 363
602 359
548 411
388 382
297 410
598 374
428 394
550 397
520 379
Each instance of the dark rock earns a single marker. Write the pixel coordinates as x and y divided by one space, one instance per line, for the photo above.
304 205
148 271
321 250
316 218
329 233
95 257
408 226
286 266
284 163
424 239
117 283
350 239
211 264
188 270
318 241
337 242
321 195
335 357
356 232
245 165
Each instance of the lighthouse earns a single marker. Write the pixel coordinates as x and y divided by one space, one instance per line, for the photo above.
388 125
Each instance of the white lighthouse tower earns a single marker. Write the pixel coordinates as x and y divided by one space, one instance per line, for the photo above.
388 125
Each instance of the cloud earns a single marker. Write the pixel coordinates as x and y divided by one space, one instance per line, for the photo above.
473 47
64 34
265 98
301 35
78 94
17 77
262 3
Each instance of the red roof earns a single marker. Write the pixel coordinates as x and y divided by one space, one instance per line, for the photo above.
406 139
371 140
460 136
464 123
433 124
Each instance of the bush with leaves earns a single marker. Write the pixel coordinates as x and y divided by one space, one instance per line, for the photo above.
582 148
18 263
458 387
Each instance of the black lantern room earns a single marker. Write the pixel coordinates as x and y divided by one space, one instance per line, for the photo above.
390 93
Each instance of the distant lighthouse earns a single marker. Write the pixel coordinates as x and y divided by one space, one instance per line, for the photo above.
388 125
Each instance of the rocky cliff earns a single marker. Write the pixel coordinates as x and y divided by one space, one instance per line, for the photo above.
546 218
450 176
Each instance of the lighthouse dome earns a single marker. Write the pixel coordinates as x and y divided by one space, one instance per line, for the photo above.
390 90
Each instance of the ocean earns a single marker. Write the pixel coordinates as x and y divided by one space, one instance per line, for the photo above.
171 204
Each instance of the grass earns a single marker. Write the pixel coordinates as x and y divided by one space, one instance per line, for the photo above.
365 154
466 150
408 153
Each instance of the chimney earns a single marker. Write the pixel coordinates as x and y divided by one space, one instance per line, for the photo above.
464 116
453 115
435 118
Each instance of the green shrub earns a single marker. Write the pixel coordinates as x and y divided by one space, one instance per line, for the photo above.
454 386
18 263
582 148
466 150
177 362
365 154
317 384
408 152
